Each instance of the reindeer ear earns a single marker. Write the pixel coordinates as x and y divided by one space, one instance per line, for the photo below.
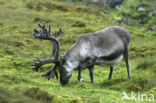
60 31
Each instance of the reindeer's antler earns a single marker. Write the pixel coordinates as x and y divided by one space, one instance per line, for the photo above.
49 73
40 62
46 35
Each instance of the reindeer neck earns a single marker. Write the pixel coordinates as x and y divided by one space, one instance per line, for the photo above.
72 59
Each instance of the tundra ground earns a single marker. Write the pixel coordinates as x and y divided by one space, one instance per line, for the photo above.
18 49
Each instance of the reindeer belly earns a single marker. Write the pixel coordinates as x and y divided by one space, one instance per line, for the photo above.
111 57
104 62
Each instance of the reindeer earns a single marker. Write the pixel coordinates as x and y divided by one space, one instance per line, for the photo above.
105 48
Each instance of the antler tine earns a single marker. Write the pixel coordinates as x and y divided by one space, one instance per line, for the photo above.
40 25
44 24
55 34
38 59
40 62
46 34
43 29
35 32
51 73
60 34
49 29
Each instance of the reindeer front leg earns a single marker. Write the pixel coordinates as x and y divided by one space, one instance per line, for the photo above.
80 79
91 72
87 64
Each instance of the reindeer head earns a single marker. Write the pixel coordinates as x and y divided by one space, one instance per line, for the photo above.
45 34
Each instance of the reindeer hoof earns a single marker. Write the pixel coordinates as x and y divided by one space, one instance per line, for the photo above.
92 81
80 79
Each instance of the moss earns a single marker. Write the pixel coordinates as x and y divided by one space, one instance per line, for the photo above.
13 79
152 20
57 6
151 83
11 97
39 19
134 84
147 64
75 101
87 30
9 52
18 44
137 15
4 93
152 91
82 85
2 54
18 63
1 24
93 100
138 51
83 9
38 94
30 5
41 5
79 24
137 84
112 82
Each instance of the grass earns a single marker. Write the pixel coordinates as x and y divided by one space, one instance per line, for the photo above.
18 49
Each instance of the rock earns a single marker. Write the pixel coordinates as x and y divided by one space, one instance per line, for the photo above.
114 3
149 28
152 13
142 21
141 0
124 20
141 9
105 11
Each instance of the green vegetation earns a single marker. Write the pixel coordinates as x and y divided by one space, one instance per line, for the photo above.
18 49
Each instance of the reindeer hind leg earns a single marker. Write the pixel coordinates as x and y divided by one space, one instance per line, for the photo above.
126 52
91 71
111 72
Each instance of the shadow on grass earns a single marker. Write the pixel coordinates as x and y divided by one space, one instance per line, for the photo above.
133 84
